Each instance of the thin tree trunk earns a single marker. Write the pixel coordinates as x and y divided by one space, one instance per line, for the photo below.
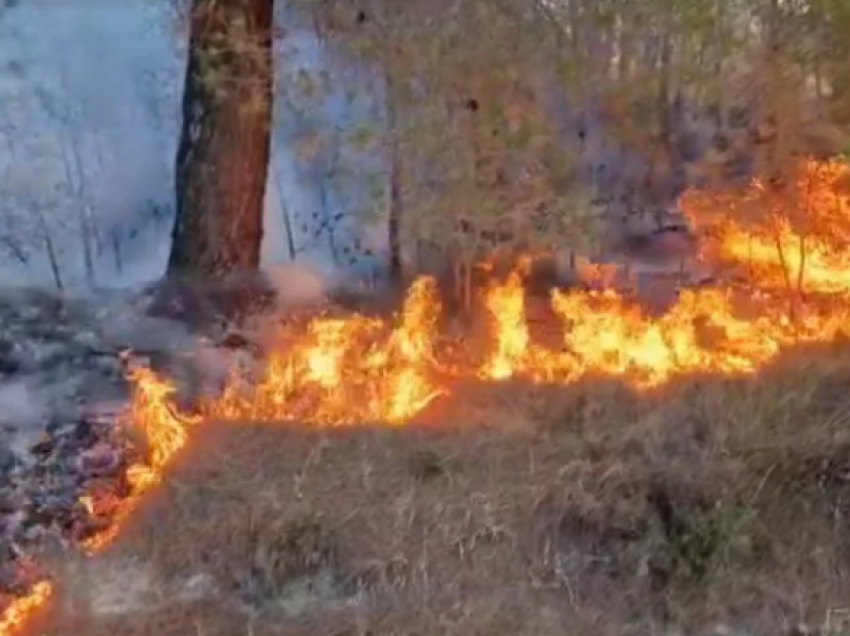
329 219
818 76
284 210
394 221
719 66
225 143
16 250
78 183
624 50
116 251
44 230
665 124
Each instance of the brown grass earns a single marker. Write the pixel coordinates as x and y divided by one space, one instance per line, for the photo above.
535 511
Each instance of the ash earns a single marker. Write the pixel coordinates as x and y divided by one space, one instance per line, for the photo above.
63 391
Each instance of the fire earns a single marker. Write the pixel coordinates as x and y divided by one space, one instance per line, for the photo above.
351 370
346 371
793 238
19 613
605 334
165 432
788 246
506 304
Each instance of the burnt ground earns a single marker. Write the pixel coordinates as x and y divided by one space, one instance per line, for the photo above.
714 506
62 388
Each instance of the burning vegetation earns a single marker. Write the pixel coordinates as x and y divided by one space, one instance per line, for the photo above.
782 279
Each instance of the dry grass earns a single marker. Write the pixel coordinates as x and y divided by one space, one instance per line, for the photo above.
587 510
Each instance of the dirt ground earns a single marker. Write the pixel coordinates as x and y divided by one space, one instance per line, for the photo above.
711 505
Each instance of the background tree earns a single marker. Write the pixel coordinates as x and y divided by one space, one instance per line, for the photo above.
475 164
485 108
224 152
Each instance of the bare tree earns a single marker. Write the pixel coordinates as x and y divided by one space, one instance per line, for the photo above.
225 145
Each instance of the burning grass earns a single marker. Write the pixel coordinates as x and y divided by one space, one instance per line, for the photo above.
527 509
644 459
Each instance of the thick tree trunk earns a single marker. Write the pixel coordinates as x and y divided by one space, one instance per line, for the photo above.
223 158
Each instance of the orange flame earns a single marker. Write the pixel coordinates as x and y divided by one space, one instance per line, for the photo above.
793 237
506 304
19 613
165 432
340 372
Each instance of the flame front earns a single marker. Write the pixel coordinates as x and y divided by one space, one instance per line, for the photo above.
346 371
792 247
355 370
19 613
165 433
605 334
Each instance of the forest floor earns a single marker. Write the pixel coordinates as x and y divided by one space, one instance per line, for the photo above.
710 506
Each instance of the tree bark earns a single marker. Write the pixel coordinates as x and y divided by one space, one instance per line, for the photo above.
225 143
